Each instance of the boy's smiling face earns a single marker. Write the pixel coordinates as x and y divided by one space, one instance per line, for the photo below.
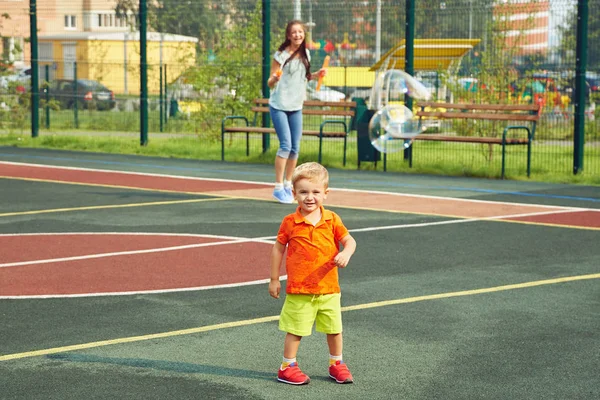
310 194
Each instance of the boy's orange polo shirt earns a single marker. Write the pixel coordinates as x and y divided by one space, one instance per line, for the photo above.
310 252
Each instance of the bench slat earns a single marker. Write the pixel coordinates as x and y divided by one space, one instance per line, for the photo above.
470 139
316 103
310 111
489 107
489 116
256 129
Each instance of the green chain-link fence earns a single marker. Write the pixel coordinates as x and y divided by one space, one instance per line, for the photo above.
205 62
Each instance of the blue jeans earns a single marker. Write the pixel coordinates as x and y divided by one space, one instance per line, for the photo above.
288 125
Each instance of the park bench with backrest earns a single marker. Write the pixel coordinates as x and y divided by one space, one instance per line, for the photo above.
337 128
519 129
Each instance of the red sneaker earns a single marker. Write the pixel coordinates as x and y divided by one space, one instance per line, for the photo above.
339 372
292 375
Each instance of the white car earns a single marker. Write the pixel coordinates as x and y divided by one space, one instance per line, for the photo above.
21 77
323 94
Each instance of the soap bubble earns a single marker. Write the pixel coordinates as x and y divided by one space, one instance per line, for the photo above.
393 86
392 128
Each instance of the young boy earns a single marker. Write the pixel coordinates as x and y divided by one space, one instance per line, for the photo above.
312 236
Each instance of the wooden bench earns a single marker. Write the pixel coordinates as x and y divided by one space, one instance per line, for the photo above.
526 116
325 109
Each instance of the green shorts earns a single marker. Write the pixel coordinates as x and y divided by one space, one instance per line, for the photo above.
301 311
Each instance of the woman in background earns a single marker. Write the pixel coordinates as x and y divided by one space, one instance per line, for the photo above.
290 72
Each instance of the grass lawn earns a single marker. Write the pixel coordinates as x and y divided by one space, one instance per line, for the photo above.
550 162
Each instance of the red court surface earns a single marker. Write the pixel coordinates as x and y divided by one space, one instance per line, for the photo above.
582 219
111 178
459 208
91 264
110 263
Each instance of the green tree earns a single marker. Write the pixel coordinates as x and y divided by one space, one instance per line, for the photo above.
569 36
202 19
229 82
5 55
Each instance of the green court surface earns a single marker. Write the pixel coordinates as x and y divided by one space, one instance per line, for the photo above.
437 305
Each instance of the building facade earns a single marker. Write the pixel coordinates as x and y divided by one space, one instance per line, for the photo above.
525 24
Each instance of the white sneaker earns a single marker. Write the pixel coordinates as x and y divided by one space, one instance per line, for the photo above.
282 196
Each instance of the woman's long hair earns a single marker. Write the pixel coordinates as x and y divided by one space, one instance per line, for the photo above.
301 51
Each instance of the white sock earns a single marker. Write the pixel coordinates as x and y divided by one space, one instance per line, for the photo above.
278 186
287 184
333 359
287 361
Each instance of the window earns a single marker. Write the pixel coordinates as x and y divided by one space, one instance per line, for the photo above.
108 20
12 48
70 22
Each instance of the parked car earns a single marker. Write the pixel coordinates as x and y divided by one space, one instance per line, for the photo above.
592 85
323 94
90 94
21 80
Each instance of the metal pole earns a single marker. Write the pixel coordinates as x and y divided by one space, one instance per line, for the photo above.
297 10
75 94
409 57
143 75
166 96
160 97
125 39
35 81
266 66
580 85
470 19
47 90
378 32
160 62
311 24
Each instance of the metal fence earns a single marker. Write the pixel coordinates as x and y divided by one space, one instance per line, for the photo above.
205 62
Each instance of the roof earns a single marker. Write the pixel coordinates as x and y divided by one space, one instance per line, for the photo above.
120 36
429 54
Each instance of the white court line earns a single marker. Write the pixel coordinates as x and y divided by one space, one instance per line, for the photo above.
237 240
141 292
270 184
193 178
272 318
233 240
130 252
424 196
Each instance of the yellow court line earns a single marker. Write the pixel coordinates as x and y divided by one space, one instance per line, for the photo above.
585 228
472 292
104 185
254 321
231 197
156 203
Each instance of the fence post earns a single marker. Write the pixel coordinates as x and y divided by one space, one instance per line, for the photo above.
266 67
75 95
160 96
143 75
47 90
580 85
409 59
35 85
166 114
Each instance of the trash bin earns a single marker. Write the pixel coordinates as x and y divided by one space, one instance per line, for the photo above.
173 107
366 151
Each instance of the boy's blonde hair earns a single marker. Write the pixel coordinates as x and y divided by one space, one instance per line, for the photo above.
313 172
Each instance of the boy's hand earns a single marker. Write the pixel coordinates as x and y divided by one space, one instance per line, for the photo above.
342 259
274 288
